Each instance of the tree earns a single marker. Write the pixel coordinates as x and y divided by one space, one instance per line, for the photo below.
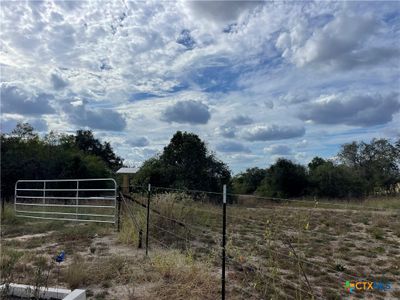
284 179
185 163
25 132
376 162
315 163
85 141
25 155
334 181
248 181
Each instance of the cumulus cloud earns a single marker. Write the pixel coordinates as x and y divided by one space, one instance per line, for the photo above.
95 118
273 132
226 131
221 11
342 43
241 120
58 82
138 142
19 101
357 110
186 40
278 150
124 51
232 147
190 112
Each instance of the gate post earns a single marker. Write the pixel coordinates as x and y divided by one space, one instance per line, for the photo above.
148 218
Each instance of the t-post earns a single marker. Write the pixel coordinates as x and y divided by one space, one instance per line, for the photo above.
148 218
223 241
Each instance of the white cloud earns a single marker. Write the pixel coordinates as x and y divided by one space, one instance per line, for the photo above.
222 12
138 141
232 147
95 118
357 110
278 150
19 101
273 132
342 43
117 67
190 111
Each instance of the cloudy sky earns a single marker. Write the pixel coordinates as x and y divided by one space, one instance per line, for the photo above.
255 80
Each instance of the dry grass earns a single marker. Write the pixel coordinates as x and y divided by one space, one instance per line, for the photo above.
183 277
325 244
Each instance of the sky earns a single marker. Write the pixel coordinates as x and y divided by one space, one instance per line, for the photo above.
255 80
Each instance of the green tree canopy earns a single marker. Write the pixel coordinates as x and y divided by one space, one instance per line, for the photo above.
333 181
24 155
248 181
185 163
284 179
377 162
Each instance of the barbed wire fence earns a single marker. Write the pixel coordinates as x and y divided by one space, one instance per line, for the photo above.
273 247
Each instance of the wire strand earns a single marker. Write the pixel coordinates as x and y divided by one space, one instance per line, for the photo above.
347 207
270 276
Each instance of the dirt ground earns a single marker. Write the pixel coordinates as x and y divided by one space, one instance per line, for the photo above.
273 252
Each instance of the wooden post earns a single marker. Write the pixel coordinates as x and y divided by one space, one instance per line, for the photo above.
125 184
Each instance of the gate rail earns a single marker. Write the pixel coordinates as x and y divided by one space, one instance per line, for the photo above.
81 200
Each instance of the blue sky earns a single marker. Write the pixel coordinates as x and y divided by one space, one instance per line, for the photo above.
255 80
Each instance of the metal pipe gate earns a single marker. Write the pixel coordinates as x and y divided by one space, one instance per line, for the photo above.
81 200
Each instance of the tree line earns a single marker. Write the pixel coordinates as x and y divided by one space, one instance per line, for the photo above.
358 170
26 155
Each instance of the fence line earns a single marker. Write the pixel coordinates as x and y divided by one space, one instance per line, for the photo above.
322 202
215 213
160 228
156 211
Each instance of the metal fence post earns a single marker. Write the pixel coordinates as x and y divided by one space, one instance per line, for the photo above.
140 239
148 218
223 241
44 197
77 199
119 211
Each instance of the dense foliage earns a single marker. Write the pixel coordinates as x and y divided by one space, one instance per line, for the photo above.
24 155
361 169
185 163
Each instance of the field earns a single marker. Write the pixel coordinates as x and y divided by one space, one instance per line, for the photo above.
275 250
